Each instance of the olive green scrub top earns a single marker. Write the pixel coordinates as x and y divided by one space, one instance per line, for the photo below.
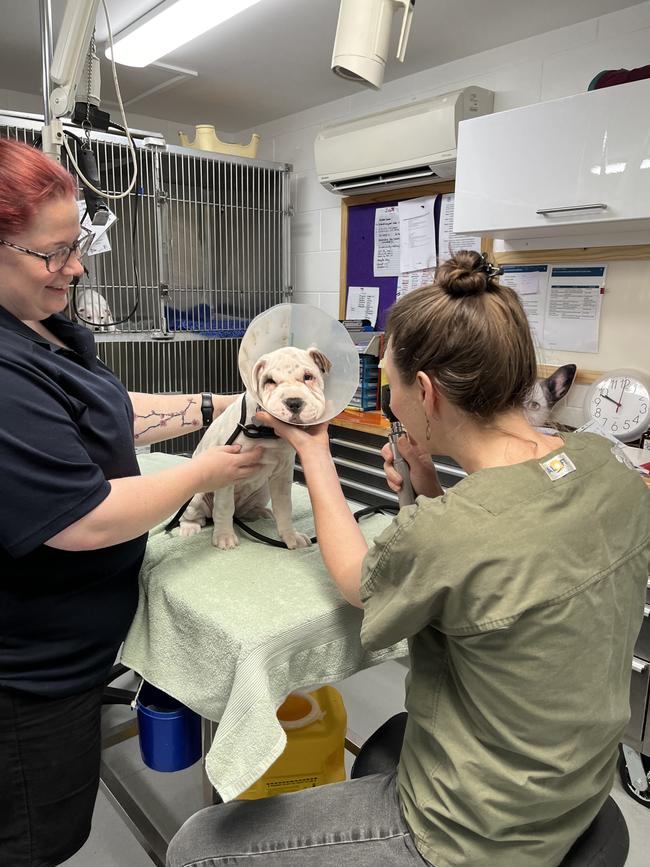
521 593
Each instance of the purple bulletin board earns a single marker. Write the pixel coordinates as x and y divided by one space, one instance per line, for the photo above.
360 253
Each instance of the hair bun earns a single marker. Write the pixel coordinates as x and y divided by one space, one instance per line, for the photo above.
467 273
460 275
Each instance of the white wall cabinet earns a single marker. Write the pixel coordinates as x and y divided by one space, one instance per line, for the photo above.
561 167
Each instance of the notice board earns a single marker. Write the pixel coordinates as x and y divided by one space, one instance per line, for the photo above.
358 238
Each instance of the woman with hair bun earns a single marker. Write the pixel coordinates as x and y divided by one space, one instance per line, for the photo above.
520 591
74 515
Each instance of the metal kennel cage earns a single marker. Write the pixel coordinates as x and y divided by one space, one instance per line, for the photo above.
199 248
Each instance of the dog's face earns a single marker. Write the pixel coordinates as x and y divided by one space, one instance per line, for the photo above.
290 383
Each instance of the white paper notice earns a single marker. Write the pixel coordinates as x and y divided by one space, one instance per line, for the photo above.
417 234
414 280
572 316
449 242
101 244
387 252
530 282
363 303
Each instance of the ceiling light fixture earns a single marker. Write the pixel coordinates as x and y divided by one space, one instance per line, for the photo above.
170 25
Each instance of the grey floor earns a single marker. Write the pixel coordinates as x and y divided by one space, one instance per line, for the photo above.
370 698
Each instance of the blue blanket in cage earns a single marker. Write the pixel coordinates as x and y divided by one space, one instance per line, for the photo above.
201 320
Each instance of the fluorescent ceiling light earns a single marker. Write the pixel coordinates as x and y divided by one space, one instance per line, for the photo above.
170 25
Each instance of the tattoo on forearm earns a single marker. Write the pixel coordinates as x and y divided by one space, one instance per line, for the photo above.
162 419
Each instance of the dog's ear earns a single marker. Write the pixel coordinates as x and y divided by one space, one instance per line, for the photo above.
321 361
559 382
256 373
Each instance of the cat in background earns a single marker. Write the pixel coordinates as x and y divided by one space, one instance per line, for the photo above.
92 309
547 392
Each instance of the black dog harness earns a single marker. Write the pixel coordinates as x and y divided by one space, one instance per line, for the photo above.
253 431
260 432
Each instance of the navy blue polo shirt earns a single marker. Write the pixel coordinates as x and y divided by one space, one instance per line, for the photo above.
66 427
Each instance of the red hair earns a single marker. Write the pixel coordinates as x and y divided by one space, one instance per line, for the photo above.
27 179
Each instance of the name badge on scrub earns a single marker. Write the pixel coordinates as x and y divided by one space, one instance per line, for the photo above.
557 467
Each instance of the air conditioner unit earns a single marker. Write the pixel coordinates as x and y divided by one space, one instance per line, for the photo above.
398 147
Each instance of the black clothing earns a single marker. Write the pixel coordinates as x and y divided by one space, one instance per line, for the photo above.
66 427
49 766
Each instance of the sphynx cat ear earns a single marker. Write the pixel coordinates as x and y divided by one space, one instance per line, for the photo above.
321 361
560 381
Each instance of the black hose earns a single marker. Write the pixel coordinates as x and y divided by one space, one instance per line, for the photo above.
276 543
131 312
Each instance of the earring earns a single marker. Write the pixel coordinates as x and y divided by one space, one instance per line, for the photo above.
427 433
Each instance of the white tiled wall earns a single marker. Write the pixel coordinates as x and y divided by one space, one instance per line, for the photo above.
15 101
551 65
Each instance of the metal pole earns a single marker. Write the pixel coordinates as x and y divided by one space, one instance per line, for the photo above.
52 134
46 55
162 238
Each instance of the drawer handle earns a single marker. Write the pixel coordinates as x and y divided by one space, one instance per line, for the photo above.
598 206
639 666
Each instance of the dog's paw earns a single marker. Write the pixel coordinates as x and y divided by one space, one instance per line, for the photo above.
189 528
225 541
294 540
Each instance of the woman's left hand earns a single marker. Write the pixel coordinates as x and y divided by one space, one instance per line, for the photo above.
300 437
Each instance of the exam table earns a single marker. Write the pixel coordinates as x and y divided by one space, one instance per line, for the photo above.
230 634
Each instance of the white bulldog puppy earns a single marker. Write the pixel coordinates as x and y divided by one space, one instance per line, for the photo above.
290 384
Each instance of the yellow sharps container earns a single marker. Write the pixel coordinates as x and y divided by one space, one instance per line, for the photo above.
315 723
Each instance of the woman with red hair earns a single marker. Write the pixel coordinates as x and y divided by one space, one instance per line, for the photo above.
74 514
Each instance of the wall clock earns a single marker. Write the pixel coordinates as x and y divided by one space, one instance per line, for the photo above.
620 401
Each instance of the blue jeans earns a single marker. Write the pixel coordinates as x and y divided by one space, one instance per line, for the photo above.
354 823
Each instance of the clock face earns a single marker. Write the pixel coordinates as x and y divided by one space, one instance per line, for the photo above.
620 402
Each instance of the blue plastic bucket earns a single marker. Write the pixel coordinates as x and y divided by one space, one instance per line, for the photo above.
169 732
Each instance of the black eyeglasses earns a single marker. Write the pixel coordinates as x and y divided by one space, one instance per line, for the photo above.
58 259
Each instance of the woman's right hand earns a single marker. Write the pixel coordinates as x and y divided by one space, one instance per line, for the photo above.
424 478
299 437
221 466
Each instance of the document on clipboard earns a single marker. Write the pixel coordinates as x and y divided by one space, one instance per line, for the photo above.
417 234
573 304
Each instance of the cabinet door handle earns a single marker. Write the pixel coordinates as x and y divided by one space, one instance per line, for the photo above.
639 666
597 206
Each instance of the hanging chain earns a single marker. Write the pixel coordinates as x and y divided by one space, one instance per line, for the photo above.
92 53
